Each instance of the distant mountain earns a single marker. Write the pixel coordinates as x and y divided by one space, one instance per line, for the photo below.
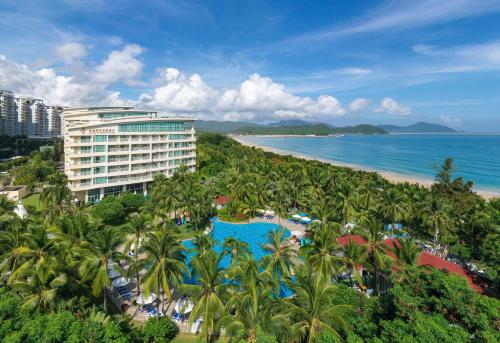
219 126
284 127
419 127
291 122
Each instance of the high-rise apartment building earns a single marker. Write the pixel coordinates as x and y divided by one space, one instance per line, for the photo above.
7 113
53 121
109 150
28 117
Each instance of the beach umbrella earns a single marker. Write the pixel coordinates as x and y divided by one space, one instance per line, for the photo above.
296 216
260 210
120 282
183 306
305 219
20 210
143 300
296 233
113 273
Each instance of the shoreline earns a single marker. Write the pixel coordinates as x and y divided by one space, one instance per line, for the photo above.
390 176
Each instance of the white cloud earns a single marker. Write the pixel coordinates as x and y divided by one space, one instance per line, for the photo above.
120 65
451 121
71 53
359 105
180 93
354 71
391 106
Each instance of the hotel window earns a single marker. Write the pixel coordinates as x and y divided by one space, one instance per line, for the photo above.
99 170
99 148
177 136
115 190
151 127
85 182
85 171
85 139
85 150
100 138
99 159
85 160
100 180
93 195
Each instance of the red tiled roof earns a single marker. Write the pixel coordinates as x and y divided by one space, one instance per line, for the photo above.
425 259
222 200
355 238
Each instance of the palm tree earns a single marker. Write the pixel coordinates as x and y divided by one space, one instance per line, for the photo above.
394 205
251 307
354 256
436 216
345 202
208 292
103 247
13 248
138 227
281 203
55 195
236 249
40 284
407 252
307 309
322 254
376 248
280 257
164 263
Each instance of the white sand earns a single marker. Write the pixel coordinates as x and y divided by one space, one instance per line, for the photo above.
390 176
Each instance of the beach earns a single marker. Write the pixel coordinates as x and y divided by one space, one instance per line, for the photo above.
390 176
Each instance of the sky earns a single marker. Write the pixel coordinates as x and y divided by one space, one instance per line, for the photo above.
340 62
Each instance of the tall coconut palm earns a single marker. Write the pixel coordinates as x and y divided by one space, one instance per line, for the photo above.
55 195
376 249
407 252
138 227
394 205
236 249
103 247
308 311
322 254
163 262
39 283
345 199
251 307
437 217
280 256
354 257
280 203
13 248
208 293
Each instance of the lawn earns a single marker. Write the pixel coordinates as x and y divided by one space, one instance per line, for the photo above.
186 338
33 200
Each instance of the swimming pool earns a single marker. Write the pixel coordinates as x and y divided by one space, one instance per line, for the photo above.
254 234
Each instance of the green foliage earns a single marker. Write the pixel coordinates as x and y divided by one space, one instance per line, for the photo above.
131 202
35 171
110 210
160 330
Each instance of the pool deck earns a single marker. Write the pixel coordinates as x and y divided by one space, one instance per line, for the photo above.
276 220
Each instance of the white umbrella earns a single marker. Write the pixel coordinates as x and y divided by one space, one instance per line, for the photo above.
120 282
270 212
183 306
142 300
316 221
20 210
296 233
305 219
113 273
260 210
296 216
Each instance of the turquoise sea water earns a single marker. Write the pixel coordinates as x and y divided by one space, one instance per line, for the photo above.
476 157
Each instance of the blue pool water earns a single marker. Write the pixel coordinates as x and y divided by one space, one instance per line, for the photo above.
254 234
476 157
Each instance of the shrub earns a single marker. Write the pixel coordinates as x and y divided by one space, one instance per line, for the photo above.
110 210
131 202
159 330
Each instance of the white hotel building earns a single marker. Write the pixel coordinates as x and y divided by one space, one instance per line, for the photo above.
110 150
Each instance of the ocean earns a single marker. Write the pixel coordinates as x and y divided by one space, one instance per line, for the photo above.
476 157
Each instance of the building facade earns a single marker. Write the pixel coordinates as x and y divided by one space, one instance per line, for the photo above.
7 113
28 117
110 150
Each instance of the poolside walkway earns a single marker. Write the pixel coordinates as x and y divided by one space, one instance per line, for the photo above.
276 220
